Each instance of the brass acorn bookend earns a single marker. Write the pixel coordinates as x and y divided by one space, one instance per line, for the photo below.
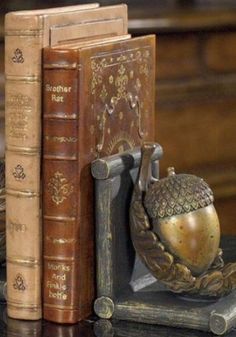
175 231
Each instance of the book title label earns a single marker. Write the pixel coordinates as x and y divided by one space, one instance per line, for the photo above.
19 108
58 92
58 280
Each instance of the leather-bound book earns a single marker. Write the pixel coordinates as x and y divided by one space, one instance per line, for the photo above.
98 100
27 32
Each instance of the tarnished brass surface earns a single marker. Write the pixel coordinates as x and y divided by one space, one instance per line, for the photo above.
104 307
193 238
180 250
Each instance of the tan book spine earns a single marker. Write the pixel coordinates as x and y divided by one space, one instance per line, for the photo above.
23 143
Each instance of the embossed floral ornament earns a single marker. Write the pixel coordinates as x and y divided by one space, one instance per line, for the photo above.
121 82
59 188
19 283
18 56
19 173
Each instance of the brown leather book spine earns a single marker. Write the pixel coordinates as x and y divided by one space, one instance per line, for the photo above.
60 184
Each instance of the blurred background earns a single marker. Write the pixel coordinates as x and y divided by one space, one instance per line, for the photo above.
195 86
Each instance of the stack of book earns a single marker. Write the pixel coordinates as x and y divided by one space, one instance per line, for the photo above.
78 87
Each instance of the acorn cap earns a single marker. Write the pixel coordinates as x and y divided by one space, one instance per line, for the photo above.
177 194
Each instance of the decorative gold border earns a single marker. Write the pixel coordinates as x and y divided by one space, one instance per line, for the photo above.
60 66
59 218
24 150
17 305
60 259
31 263
60 307
22 194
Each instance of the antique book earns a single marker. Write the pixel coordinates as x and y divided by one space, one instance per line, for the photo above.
98 100
27 32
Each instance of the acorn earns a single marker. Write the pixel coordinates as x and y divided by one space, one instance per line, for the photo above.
182 214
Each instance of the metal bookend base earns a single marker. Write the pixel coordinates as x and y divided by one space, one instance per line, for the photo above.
125 291
112 328
165 308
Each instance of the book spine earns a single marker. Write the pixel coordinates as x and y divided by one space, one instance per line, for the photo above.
60 187
23 143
